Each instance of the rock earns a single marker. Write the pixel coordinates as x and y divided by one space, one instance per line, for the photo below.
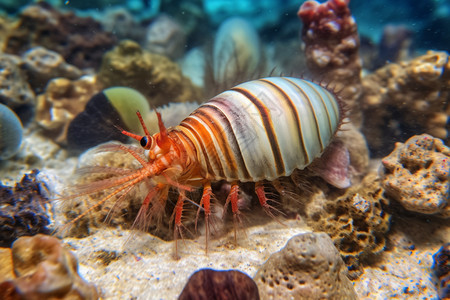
417 175
44 270
154 75
43 64
81 41
220 285
15 92
62 100
308 267
407 98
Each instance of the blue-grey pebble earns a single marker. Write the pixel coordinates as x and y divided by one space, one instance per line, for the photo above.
11 131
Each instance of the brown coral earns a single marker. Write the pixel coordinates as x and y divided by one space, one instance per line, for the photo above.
417 174
45 270
308 267
356 220
332 48
407 98
154 75
81 41
62 101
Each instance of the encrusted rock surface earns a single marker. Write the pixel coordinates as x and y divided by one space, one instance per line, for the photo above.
417 174
81 41
44 269
62 100
43 64
308 267
407 98
154 75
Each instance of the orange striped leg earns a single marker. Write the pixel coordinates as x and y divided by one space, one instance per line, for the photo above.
178 225
233 198
259 190
205 202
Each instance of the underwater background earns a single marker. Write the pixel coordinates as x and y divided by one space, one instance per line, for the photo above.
368 218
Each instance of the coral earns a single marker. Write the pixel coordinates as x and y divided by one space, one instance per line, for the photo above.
62 101
43 64
15 91
441 268
81 41
154 75
11 132
417 174
113 107
45 270
407 98
308 267
221 285
166 37
355 220
332 48
24 210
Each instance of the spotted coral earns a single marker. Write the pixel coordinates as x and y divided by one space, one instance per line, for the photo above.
417 174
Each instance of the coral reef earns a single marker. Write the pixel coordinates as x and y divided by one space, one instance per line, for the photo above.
106 111
442 270
165 37
332 48
45 270
43 64
154 75
122 24
308 267
11 132
15 91
62 101
24 210
407 98
221 285
81 41
417 174
355 219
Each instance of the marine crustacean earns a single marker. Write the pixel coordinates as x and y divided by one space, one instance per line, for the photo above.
255 132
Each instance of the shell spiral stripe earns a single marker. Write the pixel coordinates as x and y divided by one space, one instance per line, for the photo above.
262 129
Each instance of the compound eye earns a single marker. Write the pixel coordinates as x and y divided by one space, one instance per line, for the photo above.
144 142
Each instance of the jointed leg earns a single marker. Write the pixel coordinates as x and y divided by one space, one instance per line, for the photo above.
233 199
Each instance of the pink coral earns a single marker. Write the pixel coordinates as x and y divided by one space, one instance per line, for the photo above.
332 46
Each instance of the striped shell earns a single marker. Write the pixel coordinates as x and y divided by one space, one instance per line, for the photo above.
262 129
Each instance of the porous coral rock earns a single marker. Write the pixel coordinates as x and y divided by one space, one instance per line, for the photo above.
45 270
43 64
407 98
417 174
332 48
154 75
15 91
220 285
81 41
308 267
62 101
355 219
